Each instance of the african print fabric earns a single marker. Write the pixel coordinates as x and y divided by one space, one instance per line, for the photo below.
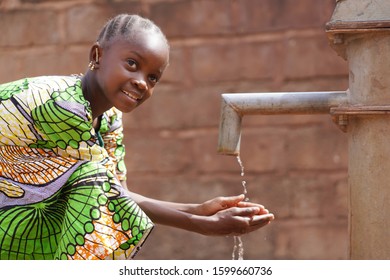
60 191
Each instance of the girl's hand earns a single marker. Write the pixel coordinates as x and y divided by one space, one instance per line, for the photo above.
230 216
217 204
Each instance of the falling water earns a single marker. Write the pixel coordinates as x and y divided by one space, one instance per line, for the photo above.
238 248
242 174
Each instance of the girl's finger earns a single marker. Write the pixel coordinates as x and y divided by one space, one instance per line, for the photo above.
257 219
249 204
232 200
246 211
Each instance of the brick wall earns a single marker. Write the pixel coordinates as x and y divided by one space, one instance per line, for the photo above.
295 165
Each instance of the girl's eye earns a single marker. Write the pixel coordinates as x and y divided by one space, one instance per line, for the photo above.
132 63
153 79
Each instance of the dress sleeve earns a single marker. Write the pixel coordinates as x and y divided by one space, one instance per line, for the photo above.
111 130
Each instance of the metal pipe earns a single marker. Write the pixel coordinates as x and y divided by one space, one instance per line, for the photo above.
235 105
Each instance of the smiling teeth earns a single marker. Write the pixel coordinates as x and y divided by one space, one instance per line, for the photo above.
130 95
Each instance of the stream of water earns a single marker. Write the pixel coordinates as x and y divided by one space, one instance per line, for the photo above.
238 247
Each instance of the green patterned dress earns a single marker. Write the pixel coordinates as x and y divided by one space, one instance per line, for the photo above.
60 192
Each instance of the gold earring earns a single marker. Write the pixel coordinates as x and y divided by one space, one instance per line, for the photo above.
91 65
97 55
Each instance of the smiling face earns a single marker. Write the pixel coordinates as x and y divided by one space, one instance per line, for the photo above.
129 69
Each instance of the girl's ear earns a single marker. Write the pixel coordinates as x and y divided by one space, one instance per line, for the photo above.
95 55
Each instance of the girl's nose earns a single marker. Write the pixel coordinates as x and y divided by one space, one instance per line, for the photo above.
141 84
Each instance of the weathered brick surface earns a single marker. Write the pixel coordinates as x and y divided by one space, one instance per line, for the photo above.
315 58
235 61
294 165
23 28
193 18
307 240
272 15
83 23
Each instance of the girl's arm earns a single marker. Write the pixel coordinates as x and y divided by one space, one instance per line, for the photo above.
218 216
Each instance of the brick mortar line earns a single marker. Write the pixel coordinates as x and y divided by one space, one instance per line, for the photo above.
270 36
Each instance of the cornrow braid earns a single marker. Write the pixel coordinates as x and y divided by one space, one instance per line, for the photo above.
126 25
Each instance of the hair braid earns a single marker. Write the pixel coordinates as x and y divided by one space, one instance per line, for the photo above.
126 25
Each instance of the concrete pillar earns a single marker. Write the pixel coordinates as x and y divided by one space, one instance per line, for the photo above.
369 148
360 32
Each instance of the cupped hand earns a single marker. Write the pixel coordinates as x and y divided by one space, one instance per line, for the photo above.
231 216
217 204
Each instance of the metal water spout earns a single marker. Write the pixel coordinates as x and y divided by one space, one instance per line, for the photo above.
359 31
235 106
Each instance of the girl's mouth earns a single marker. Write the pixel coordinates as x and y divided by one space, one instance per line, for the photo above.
132 95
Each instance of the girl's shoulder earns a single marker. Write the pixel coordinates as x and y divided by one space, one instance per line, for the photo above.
50 86
61 88
55 83
62 91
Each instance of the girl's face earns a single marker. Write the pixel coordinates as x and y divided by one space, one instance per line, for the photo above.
130 69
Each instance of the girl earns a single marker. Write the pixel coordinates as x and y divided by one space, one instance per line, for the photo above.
62 179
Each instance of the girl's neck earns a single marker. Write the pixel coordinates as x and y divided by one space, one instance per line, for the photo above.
92 94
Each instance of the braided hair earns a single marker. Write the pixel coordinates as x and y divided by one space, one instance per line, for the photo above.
126 25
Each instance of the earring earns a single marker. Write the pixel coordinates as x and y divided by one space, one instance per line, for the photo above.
91 65
97 55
